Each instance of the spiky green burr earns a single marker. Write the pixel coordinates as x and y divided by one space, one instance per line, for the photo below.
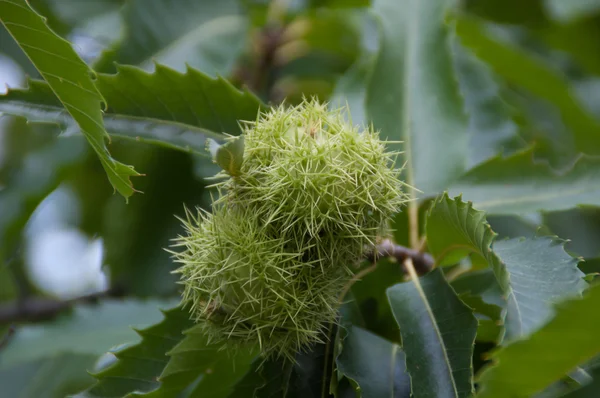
268 264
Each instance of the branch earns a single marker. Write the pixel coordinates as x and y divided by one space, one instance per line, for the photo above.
423 262
33 309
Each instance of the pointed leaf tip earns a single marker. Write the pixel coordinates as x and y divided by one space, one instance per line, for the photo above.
59 64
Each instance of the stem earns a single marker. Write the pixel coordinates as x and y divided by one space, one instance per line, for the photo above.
32 309
413 223
410 268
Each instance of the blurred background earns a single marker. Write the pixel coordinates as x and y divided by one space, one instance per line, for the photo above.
64 234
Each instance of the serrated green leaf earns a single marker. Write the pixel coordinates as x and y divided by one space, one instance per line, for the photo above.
535 76
53 377
455 229
138 366
517 185
213 370
69 78
438 333
528 262
526 367
413 95
580 226
166 107
207 35
376 365
90 329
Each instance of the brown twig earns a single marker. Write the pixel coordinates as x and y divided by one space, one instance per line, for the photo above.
423 262
33 309
268 41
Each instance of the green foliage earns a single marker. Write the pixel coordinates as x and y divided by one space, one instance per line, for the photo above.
518 185
195 356
206 35
438 349
139 366
376 365
302 251
56 376
412 67
526 367
532 75
186 108
71 82
88 330
455 229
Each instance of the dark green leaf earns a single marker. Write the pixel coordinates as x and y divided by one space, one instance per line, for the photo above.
438 333
517 185
70 80
8 291
88 330
8 288
138 366
480 291
526 367
308 377
489 318
454 229
134 241
374 364
481 283
535 76
492 129
589 390
566 11
53 377
166 107
413 95
213 370
340 3
507 11
371 300
581 227
207 35
543 128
